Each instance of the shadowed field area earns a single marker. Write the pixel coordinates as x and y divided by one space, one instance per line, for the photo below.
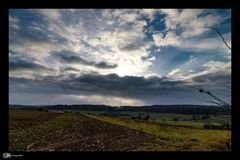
72 132
44 131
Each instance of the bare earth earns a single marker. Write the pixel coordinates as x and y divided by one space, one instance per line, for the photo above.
80 133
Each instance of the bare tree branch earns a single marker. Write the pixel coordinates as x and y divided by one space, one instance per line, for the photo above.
219 35
224 104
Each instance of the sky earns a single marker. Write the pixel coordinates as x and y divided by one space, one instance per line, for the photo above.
118 56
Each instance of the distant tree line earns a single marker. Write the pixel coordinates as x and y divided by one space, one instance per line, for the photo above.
142 116
180 109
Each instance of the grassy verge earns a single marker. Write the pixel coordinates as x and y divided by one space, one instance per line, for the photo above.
177 138
182 119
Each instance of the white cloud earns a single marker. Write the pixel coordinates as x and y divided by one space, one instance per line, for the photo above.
209 44
94 41
115 36
191 71
189 24
129 17
150 13
52 14
189 21
170 39
125 40
171 20
151 59
215 67
192 60
177 74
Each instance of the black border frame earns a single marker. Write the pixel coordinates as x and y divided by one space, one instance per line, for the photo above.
234 5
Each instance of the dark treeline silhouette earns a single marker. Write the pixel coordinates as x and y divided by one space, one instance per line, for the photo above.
180 109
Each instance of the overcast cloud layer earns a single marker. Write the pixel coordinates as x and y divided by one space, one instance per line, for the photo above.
118 57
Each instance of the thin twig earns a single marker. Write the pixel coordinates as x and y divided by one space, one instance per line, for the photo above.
220 36
220 102
225 104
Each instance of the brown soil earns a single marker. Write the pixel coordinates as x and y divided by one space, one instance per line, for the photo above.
20 119
87 134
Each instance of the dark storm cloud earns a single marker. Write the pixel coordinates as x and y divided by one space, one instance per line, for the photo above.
127 86
152 90
105 65
214 79
17 63
111 84
70 57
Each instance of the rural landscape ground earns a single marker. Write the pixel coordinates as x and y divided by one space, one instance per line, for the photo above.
31 130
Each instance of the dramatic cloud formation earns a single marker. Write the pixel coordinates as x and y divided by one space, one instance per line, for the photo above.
118 56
